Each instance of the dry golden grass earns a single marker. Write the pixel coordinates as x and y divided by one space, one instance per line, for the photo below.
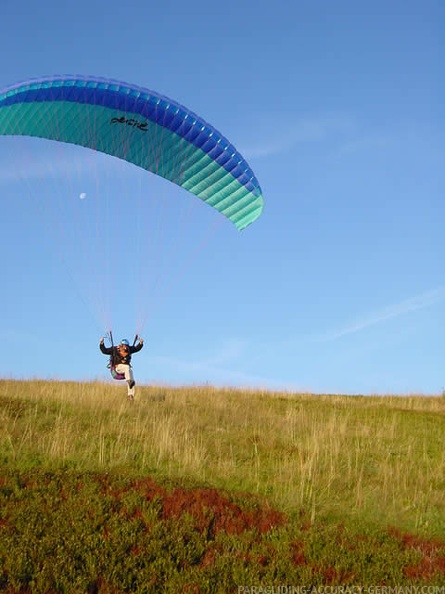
378 459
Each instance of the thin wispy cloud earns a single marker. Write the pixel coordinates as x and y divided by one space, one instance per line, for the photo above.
404 307
34 166
362 144
27 160
271 138
217 368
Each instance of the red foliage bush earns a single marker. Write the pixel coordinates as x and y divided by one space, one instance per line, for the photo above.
431 555
211 510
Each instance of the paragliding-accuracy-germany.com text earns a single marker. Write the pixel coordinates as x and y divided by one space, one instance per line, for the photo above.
353 589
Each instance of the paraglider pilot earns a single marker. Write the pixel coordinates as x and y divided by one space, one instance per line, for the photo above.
120 360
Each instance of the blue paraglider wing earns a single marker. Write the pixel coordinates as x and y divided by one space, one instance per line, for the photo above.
139 126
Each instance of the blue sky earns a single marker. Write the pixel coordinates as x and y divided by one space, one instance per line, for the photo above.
338 287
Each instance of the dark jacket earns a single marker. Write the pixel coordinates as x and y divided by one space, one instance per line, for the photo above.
115 356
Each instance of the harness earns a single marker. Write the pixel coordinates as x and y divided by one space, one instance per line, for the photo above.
111 366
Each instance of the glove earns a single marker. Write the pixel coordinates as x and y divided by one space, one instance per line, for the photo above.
101 341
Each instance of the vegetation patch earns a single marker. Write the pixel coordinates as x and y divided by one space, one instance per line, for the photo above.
201 490
70 532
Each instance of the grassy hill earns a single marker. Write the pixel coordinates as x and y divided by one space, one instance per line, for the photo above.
201 489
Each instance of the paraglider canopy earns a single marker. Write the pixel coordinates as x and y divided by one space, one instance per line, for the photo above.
139 126
158 233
